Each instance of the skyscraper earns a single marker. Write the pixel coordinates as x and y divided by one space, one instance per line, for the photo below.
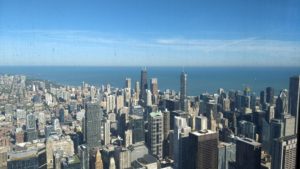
294 98
144 84
270 95
180 142
183 86
122 158
84 156
95 159
148 98
154 86
247 129
154 90
128 83
262 98
270 113
294 109
212 124
282 104
203 150
122 124
93 116
288 125
62 115
137 127
22 159
127 96
106 132
276 131
284 153
226 154
108 154
31 133
298 147
166 131
155 133
201 122
166 117
137 90
248 153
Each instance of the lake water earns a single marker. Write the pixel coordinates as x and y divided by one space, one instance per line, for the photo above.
200 79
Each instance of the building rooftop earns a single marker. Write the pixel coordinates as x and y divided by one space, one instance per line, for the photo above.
133 116
147 159
178 112
155 114
225 144
287 138
248 141
19 155
203 132
73 159
3 149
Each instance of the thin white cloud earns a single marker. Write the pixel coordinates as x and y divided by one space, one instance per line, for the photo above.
61 46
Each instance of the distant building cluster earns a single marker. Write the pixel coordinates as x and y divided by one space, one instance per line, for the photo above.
48 126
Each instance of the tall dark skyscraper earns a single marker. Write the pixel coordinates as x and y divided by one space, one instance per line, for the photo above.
276 131
144 84
262 98
31 132
298 146
122 125
294 98
166 131
248 153
183 86
270 95
294 108
61 116
93 116
203 150
137 127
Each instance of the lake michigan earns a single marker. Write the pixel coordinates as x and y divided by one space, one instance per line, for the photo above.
200 79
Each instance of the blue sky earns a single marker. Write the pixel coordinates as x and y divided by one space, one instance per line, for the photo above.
150 33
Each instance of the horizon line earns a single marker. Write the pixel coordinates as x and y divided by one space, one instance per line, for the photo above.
142 66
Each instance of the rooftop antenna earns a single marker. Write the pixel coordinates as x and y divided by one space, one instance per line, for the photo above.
182 68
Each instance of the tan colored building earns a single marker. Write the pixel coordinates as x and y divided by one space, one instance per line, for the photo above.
98 160
3 157
56 143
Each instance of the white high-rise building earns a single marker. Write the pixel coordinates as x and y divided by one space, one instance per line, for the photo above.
106 132
181 132
149 98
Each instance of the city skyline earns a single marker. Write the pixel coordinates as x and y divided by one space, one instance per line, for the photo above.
150 34
47 125
149 84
